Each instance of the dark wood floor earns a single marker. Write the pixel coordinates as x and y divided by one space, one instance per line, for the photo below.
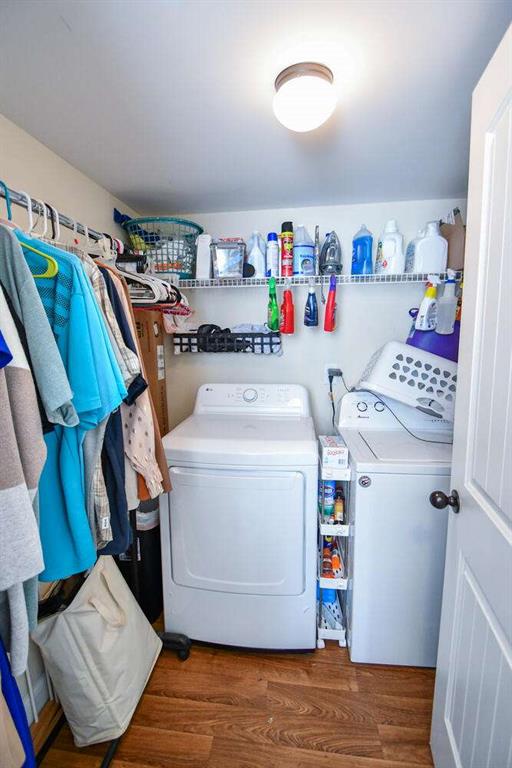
232 709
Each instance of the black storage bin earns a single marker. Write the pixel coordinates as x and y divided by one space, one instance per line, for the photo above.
145 576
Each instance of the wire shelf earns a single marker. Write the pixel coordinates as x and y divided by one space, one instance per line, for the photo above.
259 282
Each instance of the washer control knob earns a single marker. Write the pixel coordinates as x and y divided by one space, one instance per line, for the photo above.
362 406
250 395
379 407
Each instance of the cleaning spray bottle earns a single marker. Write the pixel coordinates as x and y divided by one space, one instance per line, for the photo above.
447 307
311 308
330 309
273 308
287 324
426 319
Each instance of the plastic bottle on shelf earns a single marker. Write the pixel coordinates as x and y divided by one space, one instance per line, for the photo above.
447 307
272 255
311 308
426 319
273 307
286 249
390 258
329 490
428 252
303 252
256 255
287 322
339 507
362 246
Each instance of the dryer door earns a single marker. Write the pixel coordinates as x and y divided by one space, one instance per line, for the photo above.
237 530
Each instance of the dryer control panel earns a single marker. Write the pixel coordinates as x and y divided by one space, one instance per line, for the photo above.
271 399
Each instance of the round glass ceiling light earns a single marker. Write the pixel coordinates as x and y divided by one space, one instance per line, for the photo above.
305 97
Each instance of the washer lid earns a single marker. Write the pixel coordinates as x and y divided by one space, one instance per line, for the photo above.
243 441
398 452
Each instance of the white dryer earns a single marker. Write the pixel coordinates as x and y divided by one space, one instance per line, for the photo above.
397 538
239 526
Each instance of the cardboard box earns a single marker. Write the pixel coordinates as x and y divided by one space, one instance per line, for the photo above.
333 451
151 333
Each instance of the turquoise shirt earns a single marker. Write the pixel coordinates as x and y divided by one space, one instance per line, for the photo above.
98 389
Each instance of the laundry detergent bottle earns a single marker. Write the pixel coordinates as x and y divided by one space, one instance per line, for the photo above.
390 259
428 252
287 324
362 245
311 308
303 252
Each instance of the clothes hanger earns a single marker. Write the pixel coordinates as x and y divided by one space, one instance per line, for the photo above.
29 211
53 267
8 222
54 214
41 210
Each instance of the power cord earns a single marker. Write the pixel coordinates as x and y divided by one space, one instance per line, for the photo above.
339 373
331 397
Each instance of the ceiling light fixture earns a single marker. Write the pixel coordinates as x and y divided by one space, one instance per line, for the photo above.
305 97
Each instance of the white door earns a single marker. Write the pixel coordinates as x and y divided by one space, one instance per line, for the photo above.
472 721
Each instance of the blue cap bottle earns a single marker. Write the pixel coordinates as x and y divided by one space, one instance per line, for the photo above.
311 308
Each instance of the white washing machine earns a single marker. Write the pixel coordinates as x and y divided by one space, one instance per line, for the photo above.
239 526
397 538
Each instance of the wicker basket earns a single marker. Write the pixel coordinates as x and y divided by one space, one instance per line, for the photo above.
168 243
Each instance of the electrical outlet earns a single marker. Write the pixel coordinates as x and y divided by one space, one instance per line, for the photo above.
331 368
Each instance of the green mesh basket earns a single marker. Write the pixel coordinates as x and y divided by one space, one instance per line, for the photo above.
168 243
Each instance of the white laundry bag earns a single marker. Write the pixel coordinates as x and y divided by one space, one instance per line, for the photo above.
99 652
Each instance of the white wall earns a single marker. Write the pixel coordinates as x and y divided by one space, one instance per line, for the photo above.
26 164
368 315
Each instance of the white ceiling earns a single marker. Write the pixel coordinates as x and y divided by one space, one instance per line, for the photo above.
168 103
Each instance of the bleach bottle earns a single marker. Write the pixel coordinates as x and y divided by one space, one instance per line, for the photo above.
362 246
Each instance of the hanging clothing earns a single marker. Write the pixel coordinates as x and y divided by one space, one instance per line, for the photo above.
98 389
12 754
138 420
109 524
113 468
47 366
5 352
22 456
12 696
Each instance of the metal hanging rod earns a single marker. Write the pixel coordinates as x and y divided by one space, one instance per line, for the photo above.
19 198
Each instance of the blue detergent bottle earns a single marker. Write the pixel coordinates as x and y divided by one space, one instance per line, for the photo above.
311 308
362 246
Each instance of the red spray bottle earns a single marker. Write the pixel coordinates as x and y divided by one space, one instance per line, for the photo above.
287 324
330 309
